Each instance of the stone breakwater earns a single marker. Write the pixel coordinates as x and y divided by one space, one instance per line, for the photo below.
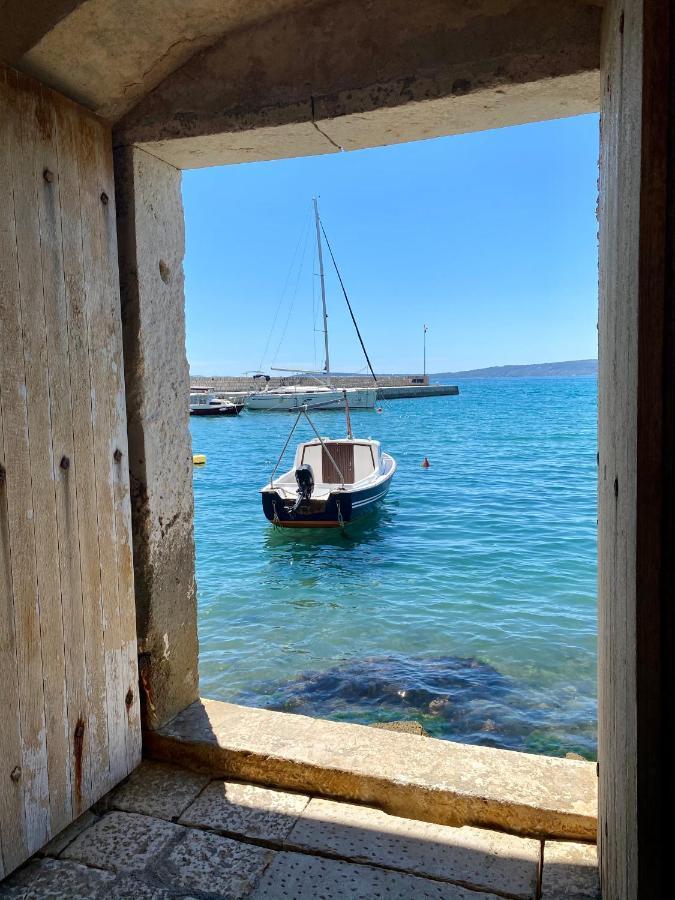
404 391
390 387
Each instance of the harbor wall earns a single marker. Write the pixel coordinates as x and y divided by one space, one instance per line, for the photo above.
389 387
405 391
246 383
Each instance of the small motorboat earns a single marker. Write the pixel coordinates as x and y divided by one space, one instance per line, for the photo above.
332 482
208 405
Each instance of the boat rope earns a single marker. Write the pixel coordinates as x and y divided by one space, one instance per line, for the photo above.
303 411
349 306
302 242
293 298
341 521
288 440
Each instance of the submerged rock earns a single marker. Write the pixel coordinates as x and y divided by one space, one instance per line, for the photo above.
405 726
456 698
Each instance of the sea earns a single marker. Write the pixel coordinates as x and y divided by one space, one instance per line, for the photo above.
467 603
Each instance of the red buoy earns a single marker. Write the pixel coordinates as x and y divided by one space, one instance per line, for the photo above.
425 463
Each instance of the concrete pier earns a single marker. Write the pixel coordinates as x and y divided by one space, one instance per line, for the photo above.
389 387
406 391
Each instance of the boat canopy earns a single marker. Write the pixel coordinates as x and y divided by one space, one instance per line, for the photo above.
352 461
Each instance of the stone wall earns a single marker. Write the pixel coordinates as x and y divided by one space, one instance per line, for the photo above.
151 243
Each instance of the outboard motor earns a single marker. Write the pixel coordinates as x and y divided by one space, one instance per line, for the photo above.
304 477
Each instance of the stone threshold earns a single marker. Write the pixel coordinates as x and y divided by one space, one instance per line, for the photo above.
405 775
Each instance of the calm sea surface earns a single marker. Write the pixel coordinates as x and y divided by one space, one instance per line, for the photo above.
467 603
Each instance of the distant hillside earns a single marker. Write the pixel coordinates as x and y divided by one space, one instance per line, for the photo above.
570 369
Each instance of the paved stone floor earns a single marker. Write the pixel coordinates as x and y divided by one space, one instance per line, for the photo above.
169 833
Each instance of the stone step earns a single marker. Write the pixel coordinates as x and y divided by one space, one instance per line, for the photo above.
414 777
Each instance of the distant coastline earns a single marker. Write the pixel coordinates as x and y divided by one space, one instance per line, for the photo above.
574 368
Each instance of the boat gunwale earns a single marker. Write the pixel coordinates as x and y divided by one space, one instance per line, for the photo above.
327 489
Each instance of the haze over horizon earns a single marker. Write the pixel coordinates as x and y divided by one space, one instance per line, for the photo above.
490 239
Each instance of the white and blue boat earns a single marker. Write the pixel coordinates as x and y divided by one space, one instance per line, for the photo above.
331 483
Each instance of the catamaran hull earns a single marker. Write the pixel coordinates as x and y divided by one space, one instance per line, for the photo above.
340 508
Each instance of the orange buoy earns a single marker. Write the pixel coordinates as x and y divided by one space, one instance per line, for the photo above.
425 463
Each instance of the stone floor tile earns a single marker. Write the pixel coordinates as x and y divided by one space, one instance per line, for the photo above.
245 809
123 842
131 887
570 872
475 857
55 879
157 789
295 876
68 835
209 863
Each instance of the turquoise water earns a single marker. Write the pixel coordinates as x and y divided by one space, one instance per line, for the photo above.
467 603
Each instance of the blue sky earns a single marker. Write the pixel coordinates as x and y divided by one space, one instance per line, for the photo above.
489 238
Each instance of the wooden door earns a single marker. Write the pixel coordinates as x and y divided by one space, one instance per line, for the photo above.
70 726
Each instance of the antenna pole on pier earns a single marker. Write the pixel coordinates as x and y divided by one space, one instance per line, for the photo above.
424 371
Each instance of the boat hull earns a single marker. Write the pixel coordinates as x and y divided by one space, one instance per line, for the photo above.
358 399
339 509
233 410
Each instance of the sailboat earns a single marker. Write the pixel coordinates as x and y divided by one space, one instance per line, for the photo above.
331 483
323 395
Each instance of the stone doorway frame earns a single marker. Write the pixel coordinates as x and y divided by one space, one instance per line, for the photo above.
636 429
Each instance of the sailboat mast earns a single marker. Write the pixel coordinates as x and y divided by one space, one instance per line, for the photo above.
323 288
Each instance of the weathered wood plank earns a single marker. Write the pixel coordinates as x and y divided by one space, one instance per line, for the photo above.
122 501
18 399
51 526
36 125
68 666
614 552
90 744
12 819
653 668
61 371
11 807
101 336
607 414
636 718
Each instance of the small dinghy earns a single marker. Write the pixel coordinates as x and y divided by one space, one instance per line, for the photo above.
332 482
